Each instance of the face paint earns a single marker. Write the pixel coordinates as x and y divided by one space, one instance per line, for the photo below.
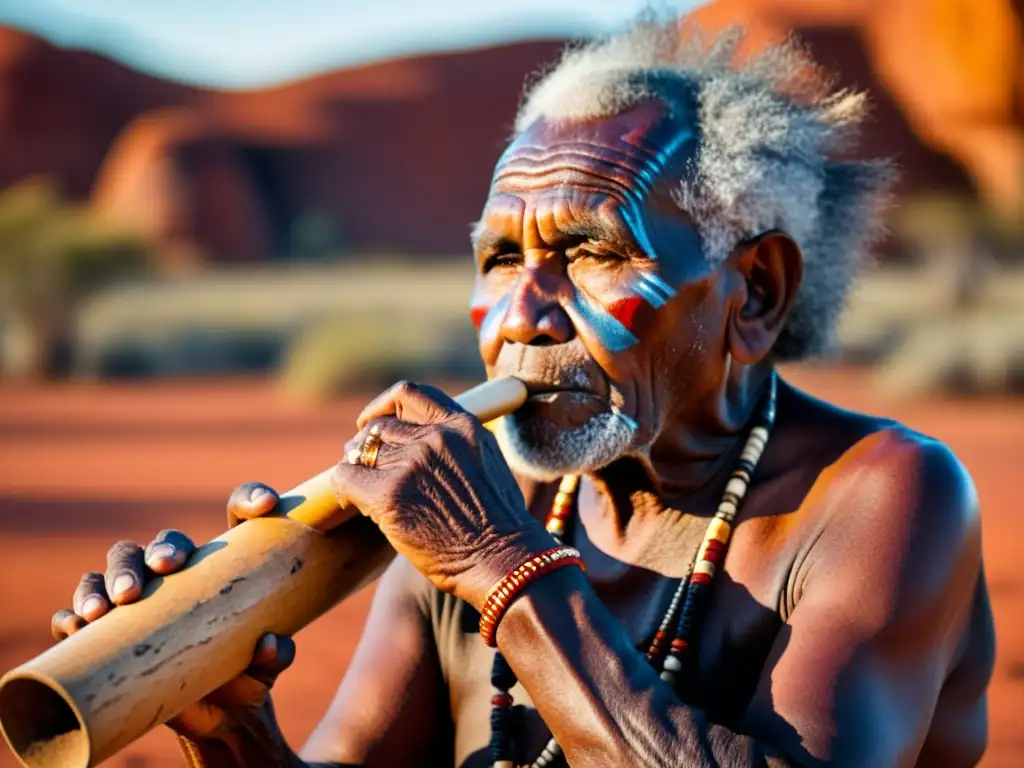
486 319
645 179
633 314
477 314
620 322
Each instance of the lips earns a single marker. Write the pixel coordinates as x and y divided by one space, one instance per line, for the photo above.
564 407
539 389
564 381
554 375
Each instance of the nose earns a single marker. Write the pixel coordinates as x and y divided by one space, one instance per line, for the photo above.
534 314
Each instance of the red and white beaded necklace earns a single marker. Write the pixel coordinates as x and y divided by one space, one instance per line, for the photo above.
684 612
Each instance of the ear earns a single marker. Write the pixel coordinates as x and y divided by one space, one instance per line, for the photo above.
770 269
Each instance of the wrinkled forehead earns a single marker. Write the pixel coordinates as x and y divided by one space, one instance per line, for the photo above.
637 147
610 178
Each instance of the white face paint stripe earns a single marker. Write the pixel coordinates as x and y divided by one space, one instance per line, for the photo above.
652 289
648 287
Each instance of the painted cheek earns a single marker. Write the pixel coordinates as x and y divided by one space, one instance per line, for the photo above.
635 314
487 318
636 310
610 332
478 313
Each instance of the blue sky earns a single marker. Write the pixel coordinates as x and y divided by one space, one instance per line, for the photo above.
252 43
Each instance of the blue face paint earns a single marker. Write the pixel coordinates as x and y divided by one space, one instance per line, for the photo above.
488 319
610 331
646 175
652 289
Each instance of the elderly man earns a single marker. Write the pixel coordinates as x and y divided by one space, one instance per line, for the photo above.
694 563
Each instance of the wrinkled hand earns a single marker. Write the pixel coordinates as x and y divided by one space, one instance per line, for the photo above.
440 492
241 703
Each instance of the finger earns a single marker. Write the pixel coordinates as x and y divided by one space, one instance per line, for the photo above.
415 403
90 600
242 692
249 501
168 552
65 623
390 430
274 654
357 486
354 447
202 720
125 572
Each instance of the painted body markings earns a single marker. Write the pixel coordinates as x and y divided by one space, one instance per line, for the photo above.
612 332
635 311
478 313
618 322
621 323
487 318
647 174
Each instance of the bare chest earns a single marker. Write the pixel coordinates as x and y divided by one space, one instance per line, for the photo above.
736 635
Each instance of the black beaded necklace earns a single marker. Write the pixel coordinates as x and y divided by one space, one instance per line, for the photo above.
686 609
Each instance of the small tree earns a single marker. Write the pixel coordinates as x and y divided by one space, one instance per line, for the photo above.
52 255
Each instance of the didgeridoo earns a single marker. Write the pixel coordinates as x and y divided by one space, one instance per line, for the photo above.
105 686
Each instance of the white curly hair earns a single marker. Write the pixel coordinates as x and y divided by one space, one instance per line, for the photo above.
770 129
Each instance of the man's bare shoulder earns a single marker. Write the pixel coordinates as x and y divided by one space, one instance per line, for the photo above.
897 479
900 523
874 473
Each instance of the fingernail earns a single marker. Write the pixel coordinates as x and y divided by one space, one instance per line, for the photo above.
92 606
266 648
257 493
270 644
162 552
123 583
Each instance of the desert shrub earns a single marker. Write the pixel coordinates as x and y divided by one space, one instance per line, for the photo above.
52 255
348 352
925 218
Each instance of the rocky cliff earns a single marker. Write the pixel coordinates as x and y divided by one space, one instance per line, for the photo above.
397 156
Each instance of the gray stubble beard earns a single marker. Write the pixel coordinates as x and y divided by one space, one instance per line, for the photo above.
540 450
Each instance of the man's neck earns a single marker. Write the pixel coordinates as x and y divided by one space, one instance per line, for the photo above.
689 465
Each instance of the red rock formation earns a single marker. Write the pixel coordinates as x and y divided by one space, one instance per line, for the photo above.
398 155
60 109
181 182
946 74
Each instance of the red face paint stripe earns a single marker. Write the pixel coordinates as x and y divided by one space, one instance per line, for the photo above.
477 315
634 313
625 310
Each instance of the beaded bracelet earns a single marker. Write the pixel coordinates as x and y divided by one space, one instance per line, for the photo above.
505 591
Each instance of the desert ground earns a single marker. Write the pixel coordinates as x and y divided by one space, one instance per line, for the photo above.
83 466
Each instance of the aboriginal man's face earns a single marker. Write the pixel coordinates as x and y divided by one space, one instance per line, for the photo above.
591 285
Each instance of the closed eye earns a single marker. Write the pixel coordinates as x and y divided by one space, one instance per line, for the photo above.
596 255
502 260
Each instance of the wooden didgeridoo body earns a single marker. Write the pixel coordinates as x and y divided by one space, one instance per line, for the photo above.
105 686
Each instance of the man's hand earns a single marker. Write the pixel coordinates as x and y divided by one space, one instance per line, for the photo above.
440 491
241 702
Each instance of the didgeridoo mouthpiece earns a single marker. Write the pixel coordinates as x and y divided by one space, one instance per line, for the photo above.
87 697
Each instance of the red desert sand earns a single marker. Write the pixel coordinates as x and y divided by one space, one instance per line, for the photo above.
81 467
